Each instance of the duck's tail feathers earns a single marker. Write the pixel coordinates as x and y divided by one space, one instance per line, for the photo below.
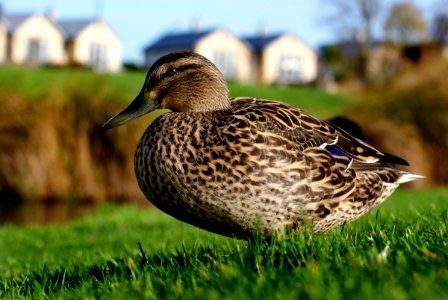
406 177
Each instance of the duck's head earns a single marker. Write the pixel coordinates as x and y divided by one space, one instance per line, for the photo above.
181 82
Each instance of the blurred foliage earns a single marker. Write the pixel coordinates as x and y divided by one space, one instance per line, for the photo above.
405 24
408 116
342 68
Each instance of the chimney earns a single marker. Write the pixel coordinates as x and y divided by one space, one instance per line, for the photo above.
263 30
51 14
196 25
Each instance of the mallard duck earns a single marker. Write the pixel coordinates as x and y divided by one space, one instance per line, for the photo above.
242 166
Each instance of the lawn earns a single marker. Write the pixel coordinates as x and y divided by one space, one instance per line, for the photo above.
398 251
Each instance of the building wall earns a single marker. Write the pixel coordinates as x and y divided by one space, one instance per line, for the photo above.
221 42
288 46
37 27
3 39
99 34
383 62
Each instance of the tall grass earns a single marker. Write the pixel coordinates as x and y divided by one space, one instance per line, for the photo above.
409 117
51 145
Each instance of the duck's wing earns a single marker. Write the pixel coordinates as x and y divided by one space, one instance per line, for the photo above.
308 131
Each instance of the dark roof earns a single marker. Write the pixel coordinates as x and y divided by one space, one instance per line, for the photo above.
184 40
71 28
14 21
350 47
260 42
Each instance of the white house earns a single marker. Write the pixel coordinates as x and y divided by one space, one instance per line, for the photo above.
92 43
33 39
283 58
38 39
231 55
3 40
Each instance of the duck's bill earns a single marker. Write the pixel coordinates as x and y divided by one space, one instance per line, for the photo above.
138 107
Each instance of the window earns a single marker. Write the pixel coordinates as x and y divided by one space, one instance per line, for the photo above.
36 52
226 63
290 69
98 57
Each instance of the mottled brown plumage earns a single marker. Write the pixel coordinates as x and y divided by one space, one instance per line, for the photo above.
241 166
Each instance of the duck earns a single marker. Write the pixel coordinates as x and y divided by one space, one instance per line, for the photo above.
244 167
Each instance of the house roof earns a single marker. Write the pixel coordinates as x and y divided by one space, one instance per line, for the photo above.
350 47
15 20
260 42
181 40
71 28
68 28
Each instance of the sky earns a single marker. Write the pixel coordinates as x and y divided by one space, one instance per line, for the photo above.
140 22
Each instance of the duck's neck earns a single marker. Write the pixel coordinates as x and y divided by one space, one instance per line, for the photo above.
215 101
210 97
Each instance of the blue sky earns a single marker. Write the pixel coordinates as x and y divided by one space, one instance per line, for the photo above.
139 22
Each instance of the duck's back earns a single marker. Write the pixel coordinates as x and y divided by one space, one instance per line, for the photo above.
260 165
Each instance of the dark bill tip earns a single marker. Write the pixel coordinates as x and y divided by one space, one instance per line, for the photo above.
138 107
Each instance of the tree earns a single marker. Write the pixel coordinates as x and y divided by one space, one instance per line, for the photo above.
354 20
405 24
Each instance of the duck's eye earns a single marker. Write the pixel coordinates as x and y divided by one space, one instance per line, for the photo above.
171 71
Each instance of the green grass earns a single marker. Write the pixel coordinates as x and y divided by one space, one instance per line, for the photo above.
310 99
37 84
396 252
